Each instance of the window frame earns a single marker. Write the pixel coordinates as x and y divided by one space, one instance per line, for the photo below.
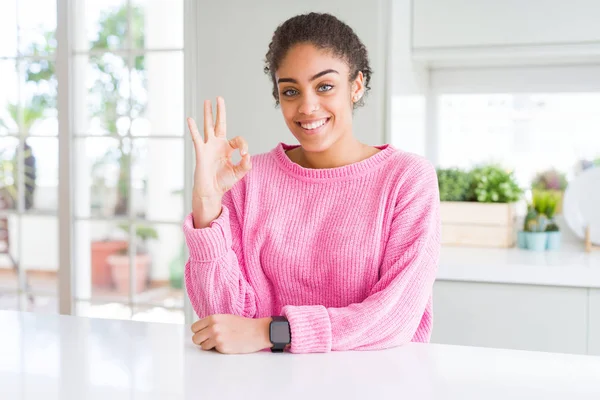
66 25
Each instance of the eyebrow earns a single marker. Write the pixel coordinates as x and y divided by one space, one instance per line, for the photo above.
320 74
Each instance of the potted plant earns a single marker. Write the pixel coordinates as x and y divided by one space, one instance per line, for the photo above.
119 262
551 180
536 237
540 230
553 231
522 234
478 206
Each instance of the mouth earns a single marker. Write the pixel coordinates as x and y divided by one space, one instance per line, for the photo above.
313 127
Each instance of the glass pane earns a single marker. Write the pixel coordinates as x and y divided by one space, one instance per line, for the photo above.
41 174
37 26
101 176
9 255
158 185
9 96
39 254
160 23
8 300
39 88
41 304
100 250
101 94
9 197
158 314
162 247
8 29
157 95
108 310
104 23
525 132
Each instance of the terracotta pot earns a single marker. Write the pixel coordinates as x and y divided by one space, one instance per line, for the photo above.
119 265
101 275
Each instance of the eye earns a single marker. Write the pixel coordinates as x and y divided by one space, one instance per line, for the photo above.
289 92
325 87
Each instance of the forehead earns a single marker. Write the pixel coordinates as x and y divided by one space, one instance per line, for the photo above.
303 61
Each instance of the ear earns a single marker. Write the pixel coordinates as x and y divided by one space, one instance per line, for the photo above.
358 87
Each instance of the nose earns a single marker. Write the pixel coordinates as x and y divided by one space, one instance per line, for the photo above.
309 105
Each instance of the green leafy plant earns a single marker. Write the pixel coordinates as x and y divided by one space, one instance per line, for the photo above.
39 73
144 233
550 180
493 184
538 224
546 202
529 217
453 184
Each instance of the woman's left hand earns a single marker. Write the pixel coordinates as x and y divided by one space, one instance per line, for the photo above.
231 334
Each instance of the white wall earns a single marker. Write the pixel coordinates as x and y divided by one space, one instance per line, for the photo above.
408 84
233 39
488 23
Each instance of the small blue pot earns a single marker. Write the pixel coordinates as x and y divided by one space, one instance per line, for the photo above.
554 239
536 241
522 239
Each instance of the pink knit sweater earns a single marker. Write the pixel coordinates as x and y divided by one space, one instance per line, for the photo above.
349 254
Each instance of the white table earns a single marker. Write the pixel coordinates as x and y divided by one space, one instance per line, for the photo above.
62 357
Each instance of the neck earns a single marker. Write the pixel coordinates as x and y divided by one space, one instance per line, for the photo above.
343 152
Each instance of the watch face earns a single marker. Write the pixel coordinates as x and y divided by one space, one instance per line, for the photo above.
280 332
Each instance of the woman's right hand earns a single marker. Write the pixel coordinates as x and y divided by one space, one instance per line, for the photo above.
215 174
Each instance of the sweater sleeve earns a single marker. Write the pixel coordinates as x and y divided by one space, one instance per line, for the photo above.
393 310
214 273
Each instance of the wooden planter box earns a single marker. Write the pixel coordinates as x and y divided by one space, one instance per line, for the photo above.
478 224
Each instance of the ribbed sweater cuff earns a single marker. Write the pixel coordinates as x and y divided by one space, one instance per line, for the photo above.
210 243
310 327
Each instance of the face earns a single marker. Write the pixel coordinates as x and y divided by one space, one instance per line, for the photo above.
316 97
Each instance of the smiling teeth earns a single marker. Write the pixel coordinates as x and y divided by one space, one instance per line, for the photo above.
314 125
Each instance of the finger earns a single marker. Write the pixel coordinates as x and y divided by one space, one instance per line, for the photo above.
243 167
201 336
209 129
209 344
200 324
194 131
239 142
221 127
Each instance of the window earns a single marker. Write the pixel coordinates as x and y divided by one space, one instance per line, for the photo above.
128 159
126 135
527 118
526 132
28 155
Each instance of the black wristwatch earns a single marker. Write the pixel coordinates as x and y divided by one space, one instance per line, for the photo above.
279 334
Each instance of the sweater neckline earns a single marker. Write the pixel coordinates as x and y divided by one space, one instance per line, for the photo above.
350 170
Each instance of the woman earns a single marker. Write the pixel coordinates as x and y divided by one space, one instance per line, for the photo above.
327 245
